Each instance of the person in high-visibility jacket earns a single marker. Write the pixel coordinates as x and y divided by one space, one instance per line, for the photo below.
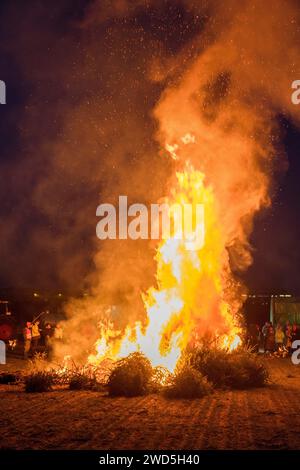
27 339
35 332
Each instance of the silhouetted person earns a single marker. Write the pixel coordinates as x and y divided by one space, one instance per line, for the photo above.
48 338
265 330
279 337
270 340
58 332
288 337
294 332
27 339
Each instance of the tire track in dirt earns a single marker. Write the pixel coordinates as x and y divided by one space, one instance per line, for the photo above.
257 408
83 431
184 425
247 443
209 425
217 433
276 439
131 423
265 423
202 437
286 404
136 422
43 416
166 416
231 429
231 413
169 415
196 428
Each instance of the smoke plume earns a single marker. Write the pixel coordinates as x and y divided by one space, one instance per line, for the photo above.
112 84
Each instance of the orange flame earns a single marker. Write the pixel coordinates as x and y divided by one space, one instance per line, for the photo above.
188 301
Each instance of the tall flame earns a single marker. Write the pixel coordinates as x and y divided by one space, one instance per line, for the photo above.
189 299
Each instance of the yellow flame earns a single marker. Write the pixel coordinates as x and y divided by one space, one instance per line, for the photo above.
188 301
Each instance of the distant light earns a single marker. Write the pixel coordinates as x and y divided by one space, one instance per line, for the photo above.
35 294
59 294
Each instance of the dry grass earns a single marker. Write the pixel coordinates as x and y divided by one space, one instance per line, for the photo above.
239 369
131 376
134 375
83 379
38 363
76 377
38 382
187 382
8 378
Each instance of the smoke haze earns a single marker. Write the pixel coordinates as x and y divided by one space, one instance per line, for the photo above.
104 86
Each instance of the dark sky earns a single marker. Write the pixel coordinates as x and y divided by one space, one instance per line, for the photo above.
75 92
276 235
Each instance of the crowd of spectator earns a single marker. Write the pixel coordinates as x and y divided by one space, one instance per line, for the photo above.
38 338
271 338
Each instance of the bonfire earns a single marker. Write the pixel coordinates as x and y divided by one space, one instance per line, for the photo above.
189 302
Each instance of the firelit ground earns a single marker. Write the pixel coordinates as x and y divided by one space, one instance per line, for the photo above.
266 418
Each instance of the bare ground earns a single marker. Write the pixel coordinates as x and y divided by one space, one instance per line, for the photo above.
266 418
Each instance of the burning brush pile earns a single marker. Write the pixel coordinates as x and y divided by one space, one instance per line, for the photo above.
192 301
191 337
217 137
43 376
197 374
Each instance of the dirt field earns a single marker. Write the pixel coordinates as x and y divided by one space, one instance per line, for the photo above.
267 418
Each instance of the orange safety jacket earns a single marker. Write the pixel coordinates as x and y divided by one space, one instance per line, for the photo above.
27 333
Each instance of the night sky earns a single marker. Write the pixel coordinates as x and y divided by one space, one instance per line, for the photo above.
78 108
275 240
